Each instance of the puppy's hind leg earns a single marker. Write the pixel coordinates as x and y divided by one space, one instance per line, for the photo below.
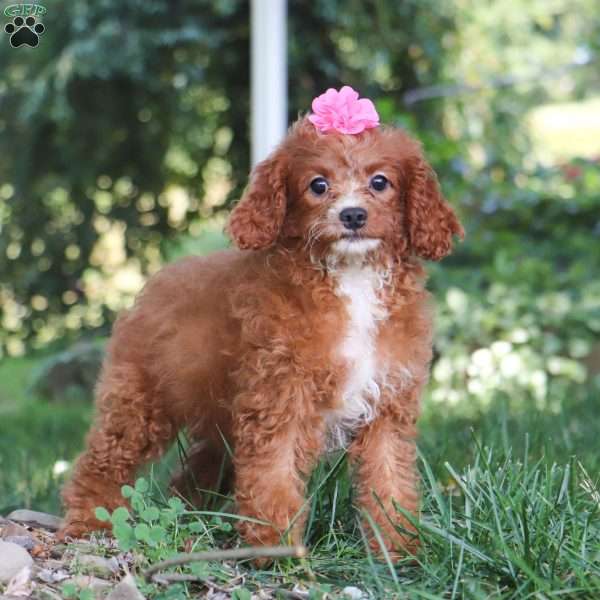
130 428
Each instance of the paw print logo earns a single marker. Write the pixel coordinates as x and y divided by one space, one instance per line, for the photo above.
24 31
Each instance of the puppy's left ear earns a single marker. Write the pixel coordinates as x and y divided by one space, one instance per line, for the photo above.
258 217
431 221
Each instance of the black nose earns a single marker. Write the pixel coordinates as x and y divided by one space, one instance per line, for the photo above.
353 218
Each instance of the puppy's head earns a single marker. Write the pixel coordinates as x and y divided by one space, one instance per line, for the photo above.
347 195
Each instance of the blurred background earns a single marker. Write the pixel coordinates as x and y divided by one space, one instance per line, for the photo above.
125 139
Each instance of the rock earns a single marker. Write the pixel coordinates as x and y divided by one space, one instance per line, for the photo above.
69 375
21 584
97 565
97 585
10 529
36 519
126 590
13 559
25 541
52 564
52 575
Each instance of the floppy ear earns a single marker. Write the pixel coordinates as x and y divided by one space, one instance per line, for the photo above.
257 219
430 219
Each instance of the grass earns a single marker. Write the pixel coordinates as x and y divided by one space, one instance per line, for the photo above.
35 436
511 502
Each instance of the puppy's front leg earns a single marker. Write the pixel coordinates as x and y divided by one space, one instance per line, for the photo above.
277 441
384 453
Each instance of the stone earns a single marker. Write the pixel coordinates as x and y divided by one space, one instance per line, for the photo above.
48 575
25 541
98 586
126 590
70 375
36 519
51 563
97 565
10 529
13 559
21 584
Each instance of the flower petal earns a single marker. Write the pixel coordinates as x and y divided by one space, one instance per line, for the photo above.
343 111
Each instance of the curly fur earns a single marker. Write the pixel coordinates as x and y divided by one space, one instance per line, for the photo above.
300 340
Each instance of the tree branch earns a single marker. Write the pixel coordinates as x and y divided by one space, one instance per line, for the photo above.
233 554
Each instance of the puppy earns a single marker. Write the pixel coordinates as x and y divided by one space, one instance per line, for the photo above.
315 334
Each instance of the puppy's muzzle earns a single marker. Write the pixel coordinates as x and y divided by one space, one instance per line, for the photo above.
353 218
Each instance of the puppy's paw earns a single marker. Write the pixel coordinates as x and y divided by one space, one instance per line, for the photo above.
255 534
402 548
79 524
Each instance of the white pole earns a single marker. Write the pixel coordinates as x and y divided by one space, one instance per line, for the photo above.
269 75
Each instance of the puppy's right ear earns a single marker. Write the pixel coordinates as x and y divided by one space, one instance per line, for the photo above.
257 219
432 223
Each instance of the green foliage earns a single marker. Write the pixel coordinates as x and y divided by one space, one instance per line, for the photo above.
109 141
503 526
157 530
119 151
109 155
519 302
37 440
513 529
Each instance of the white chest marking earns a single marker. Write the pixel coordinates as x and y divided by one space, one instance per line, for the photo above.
357 285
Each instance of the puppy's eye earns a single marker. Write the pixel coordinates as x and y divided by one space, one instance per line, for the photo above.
319 185
379 183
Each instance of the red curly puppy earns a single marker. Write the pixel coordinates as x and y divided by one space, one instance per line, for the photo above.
315 335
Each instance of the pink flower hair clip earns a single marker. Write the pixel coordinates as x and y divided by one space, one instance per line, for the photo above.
343 111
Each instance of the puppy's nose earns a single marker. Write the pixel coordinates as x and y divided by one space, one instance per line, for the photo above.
353 218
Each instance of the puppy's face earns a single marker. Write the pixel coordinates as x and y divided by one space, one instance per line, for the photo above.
346 195
344 192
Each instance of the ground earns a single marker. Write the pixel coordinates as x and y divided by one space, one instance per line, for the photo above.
510 507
